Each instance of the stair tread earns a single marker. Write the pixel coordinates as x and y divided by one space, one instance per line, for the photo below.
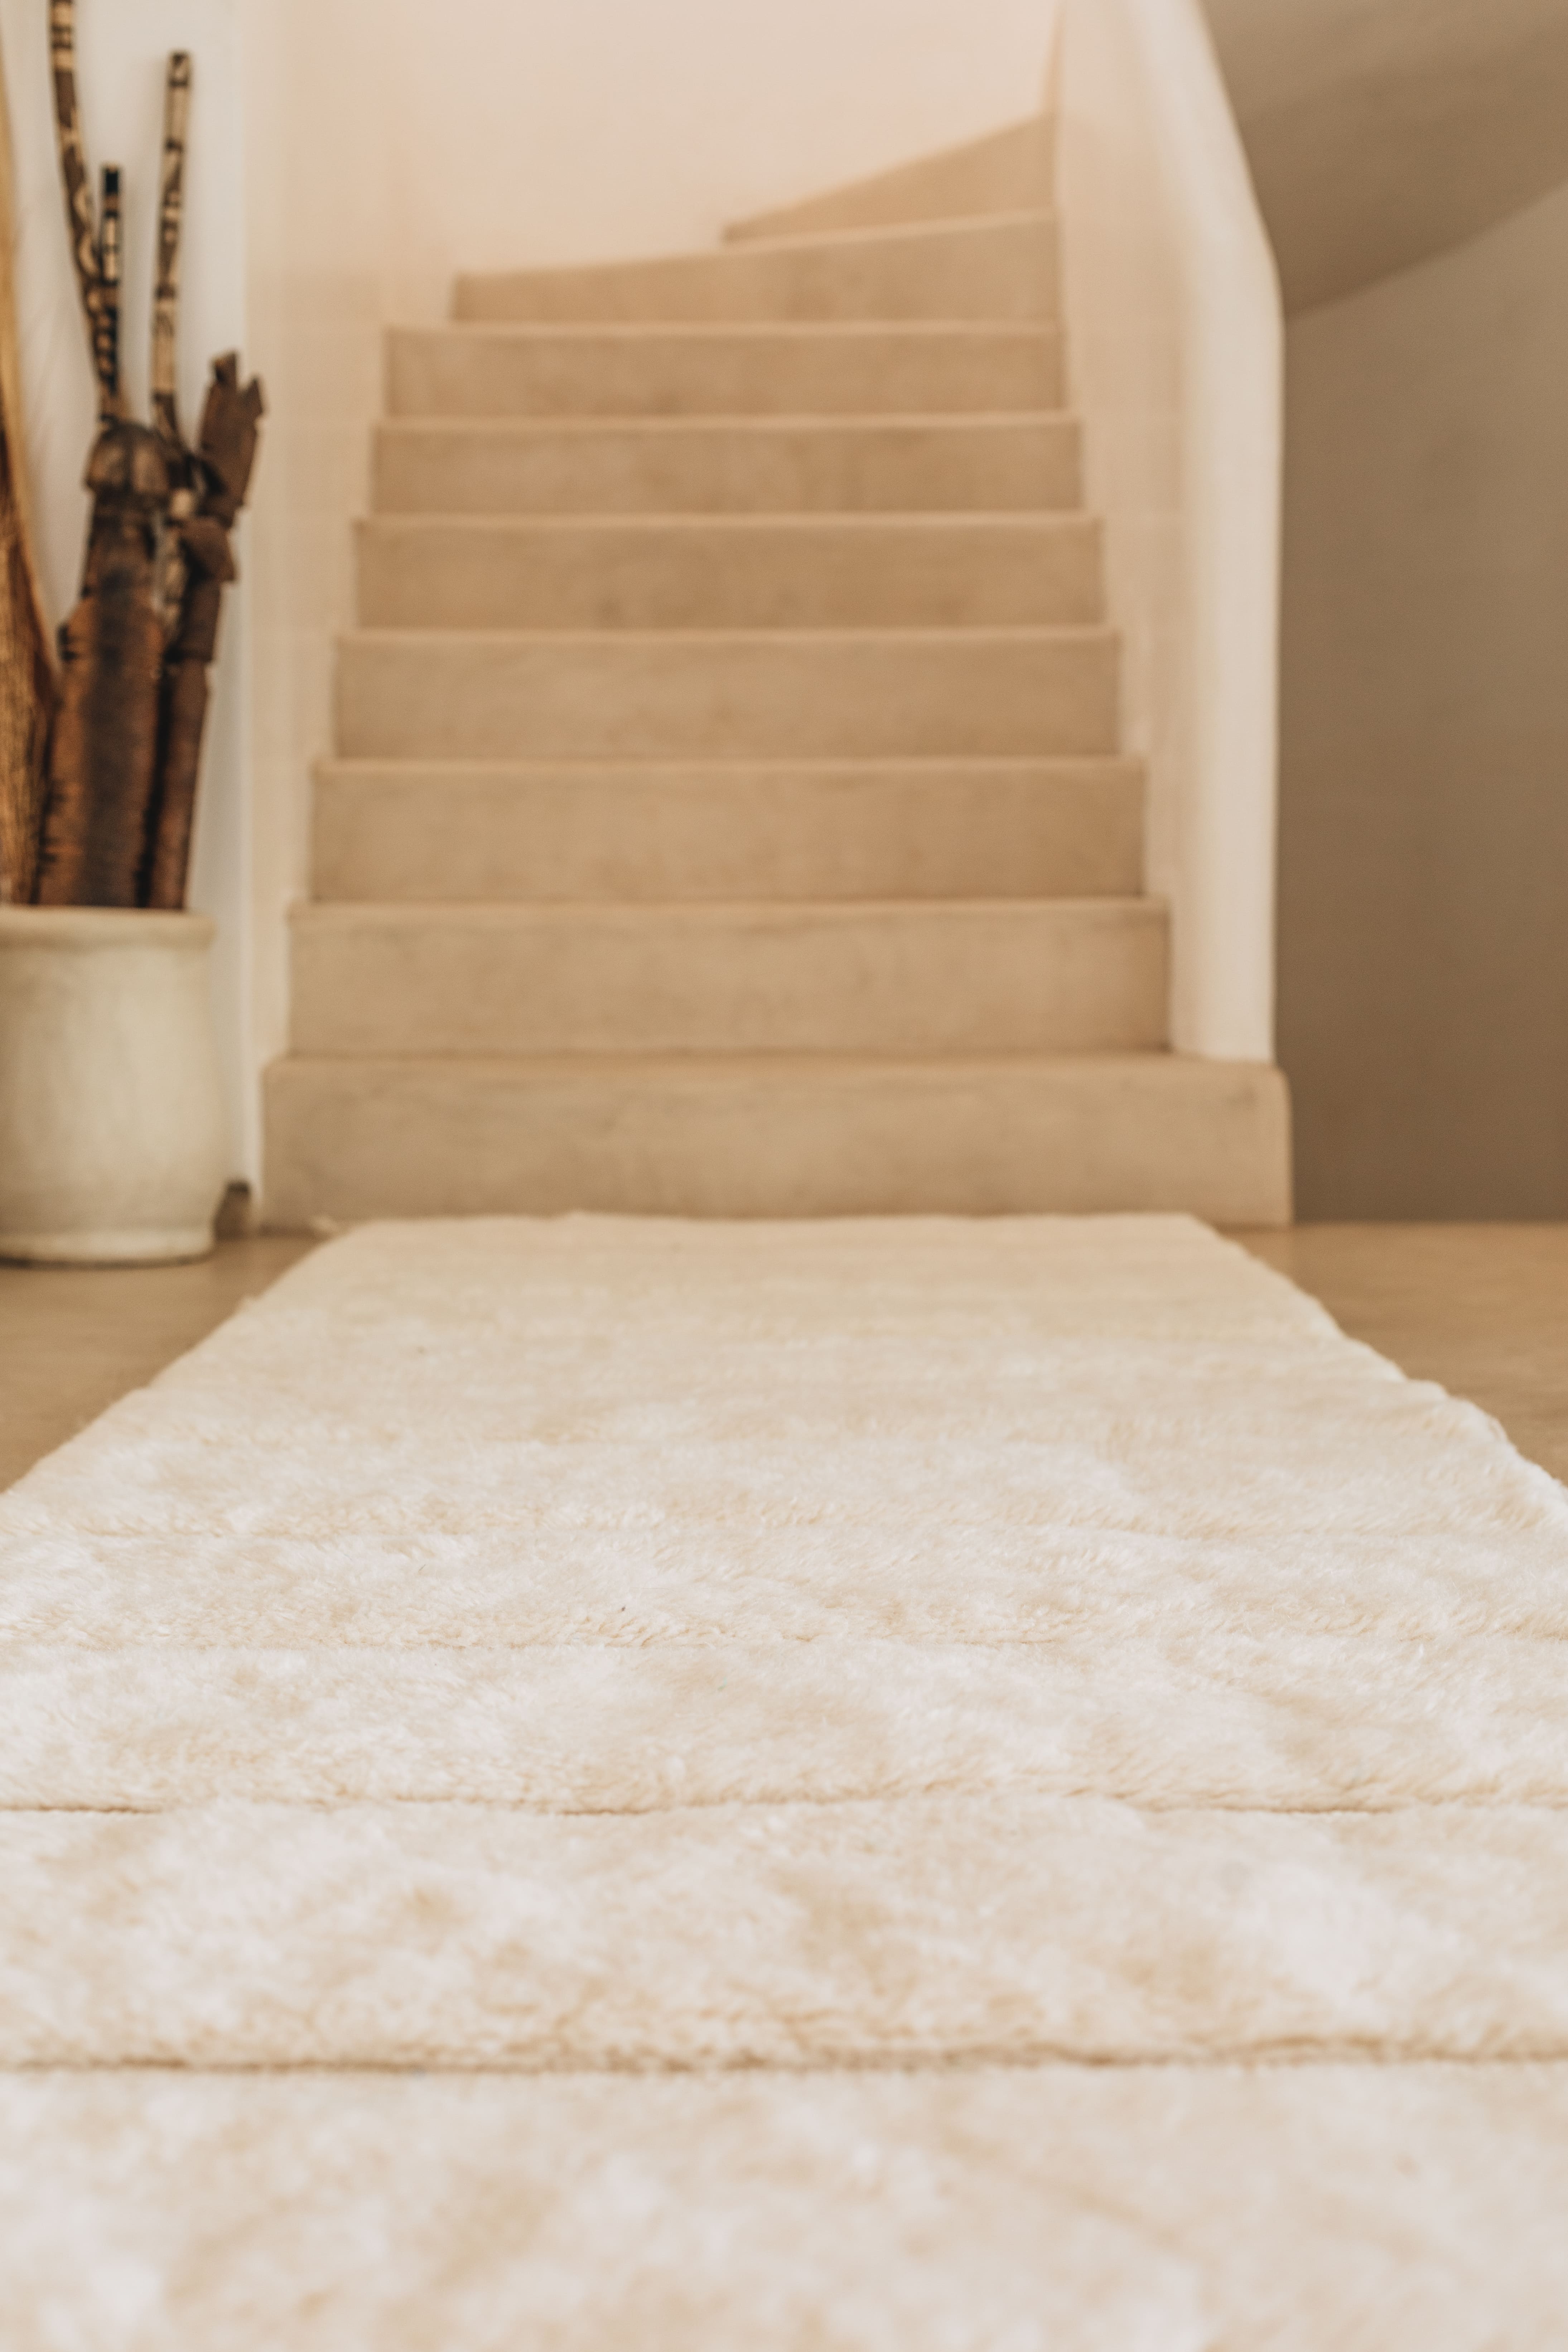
651 331
964 177
503 914
1001 265
899 976
787 522
920 765
741 420
870 238
713 1066
657 831
776 1134
950 632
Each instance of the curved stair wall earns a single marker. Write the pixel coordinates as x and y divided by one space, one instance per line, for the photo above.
1175 332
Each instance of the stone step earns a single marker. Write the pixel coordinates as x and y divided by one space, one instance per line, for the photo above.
1004 266
779 694
731 464
402 832
727 572
696 371
761 1135
1012 170
1086 975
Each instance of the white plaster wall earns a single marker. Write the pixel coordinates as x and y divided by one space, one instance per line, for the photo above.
124 46
1175 347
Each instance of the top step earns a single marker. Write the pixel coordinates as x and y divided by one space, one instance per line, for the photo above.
1008 171
1002 267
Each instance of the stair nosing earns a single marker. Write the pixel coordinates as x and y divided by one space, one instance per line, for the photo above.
1141 905
823 762
722 520
752 329
853 420
664 1062
956 633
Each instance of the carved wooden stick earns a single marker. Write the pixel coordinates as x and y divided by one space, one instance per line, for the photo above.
227 453
171 221
81 224
26 670
103 753
109 276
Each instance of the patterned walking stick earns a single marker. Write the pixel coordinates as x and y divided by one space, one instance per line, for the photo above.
171 221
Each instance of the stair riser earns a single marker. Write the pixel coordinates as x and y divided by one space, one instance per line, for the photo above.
404 834
1007 171
994 269
941 573
1077 977
523 371
785 696
391 1138
716 468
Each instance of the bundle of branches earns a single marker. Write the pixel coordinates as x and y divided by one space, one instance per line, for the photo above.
125 751
26 672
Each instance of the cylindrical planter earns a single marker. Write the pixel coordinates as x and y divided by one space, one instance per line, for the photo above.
112 1145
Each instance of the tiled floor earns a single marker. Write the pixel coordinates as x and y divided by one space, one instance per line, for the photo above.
1482 1309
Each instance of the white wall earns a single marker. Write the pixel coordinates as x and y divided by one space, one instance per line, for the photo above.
1175 347
124 46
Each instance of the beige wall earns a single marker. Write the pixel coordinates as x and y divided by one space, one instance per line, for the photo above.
1383 132
1424 904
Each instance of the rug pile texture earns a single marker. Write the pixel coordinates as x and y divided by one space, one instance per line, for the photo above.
885 1786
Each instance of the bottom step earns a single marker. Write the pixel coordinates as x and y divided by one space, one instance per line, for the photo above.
774 1136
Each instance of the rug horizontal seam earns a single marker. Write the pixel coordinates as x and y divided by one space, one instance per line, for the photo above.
945 1790
1283 2059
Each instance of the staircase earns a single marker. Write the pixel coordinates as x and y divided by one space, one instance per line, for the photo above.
728 817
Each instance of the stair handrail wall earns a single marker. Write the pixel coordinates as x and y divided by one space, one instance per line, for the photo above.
1175 339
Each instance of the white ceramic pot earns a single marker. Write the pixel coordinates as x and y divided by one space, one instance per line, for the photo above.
112 1144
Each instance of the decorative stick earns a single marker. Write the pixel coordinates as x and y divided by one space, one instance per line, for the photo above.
109 276
171 221
80 224
231 423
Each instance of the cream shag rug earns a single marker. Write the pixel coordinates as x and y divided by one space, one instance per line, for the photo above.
893 1787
